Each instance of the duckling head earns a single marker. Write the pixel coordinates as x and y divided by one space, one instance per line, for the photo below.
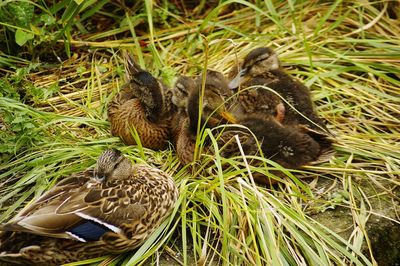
148 89
213 103
216 82
183 86
131 67
112 164
257 62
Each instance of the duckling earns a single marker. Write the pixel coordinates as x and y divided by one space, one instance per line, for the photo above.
140 105
112 208
180 93
216 93
262 67
284 144
213 110
288 147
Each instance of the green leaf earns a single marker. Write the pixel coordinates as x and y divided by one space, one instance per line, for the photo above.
21 37
18 120
19 13
47 19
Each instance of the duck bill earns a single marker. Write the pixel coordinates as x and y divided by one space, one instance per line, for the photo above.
228 117
235 82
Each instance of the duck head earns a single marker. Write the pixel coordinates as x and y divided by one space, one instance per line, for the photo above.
112 164
145 87
149 90
180 93
130 65
213 104
257 62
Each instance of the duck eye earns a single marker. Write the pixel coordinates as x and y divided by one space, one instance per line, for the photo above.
243 71
99 177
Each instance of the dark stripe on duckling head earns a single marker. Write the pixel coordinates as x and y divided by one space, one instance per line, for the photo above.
183 86
260 60
257 54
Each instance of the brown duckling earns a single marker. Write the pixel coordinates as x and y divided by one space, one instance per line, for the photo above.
284 144
213 111
262 67
180 93
216 93
140 105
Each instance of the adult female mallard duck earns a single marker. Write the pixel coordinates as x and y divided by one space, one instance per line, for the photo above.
109 209
140 106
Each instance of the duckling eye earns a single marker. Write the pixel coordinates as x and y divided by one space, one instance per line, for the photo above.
180 87
205 103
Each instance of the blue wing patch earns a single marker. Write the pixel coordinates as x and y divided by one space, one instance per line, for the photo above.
89 231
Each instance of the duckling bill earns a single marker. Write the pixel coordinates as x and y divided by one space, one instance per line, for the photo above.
109 209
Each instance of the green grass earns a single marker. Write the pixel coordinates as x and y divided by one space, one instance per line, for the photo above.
55 89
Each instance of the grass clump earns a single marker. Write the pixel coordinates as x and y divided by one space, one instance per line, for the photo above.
53 118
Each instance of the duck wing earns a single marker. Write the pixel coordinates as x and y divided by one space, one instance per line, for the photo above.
83 212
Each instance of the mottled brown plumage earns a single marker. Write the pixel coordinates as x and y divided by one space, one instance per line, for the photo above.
111 209
255 99
140 106
253 95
